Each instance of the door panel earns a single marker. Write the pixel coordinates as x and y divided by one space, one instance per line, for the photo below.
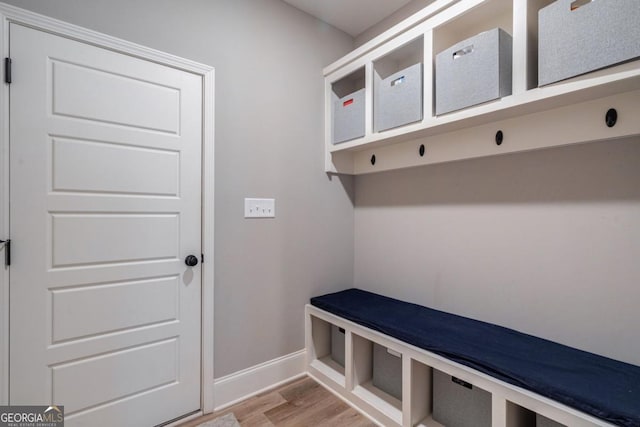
105 205
74 163
122 238
84 311
98 95
154 366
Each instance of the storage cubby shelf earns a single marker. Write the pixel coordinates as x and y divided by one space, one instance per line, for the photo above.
621 79
385 403
511 406
330 368
440 25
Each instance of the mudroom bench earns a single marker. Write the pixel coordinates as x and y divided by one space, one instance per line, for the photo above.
407 365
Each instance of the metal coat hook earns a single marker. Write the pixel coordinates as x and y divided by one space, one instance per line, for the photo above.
7 251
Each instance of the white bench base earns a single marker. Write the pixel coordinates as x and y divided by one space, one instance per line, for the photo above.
511 406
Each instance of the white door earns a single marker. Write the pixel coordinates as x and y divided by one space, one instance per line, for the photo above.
105 205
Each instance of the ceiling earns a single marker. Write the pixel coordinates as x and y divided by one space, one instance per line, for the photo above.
350 16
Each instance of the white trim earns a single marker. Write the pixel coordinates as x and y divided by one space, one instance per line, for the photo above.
12 14
208 267
249 382
44 23
4 218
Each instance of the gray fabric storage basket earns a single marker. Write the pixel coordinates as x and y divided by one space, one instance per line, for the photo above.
348 117
455 405
337 345
474 71
387 371
546 422
596 35
397 98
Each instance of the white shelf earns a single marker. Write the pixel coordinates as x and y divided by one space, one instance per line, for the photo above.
319 351
512 406
385 403
430 422
620 79
332 370
453 22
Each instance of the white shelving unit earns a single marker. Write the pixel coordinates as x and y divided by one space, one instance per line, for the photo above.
511 406
568 112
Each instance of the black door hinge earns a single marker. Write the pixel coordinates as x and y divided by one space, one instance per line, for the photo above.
202 258
7 70
7 251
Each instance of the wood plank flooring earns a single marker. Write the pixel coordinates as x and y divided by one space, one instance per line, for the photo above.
300 403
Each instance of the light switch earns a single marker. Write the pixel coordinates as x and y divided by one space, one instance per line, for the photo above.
259 208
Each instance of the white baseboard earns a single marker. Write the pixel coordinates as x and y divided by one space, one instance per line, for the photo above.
241 385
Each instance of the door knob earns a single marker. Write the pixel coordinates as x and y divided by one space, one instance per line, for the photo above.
191 260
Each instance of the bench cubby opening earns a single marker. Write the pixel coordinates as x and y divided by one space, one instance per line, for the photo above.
324 352
519 416
459 402
371 385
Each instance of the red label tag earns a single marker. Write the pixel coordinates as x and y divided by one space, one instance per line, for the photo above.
347 102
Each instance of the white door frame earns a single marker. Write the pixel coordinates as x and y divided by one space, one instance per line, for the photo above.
10 14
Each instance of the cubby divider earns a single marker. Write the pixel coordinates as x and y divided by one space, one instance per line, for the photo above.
419 390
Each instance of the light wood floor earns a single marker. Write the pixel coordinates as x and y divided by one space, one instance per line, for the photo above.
300 403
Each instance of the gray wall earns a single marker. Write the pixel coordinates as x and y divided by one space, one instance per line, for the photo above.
546 242
269 143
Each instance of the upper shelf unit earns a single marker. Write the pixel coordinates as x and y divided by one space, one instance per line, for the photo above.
385 102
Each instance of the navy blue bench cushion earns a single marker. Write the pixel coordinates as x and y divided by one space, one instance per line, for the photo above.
599 386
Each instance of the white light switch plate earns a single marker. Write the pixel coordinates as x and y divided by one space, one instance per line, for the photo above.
259 208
